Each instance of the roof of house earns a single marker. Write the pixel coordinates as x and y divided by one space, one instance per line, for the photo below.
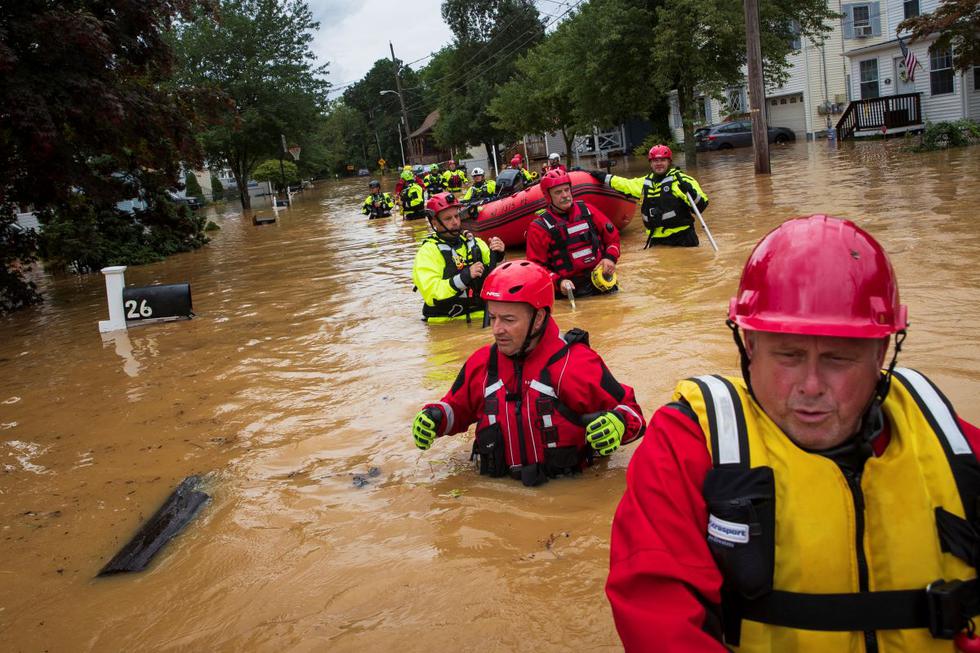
427 124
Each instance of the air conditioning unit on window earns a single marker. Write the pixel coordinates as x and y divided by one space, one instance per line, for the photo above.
861 31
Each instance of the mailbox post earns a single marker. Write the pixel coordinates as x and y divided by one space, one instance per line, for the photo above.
115 280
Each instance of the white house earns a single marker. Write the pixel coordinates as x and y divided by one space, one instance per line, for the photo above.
860 58
878 75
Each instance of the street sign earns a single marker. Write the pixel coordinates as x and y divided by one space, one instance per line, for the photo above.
382 163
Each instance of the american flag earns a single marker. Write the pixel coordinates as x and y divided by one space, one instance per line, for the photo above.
910 61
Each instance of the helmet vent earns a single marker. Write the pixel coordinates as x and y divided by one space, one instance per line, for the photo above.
515 289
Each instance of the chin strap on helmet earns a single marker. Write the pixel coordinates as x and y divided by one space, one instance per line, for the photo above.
743 355
522 352
885 382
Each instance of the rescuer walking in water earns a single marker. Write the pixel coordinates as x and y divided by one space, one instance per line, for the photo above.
544 405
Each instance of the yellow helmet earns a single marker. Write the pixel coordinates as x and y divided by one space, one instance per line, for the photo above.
599 280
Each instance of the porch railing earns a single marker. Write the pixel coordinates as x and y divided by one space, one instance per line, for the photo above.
890 111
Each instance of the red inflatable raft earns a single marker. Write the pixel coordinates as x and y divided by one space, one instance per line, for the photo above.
508 217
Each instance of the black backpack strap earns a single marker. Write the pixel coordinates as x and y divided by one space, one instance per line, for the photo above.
943 608
726 421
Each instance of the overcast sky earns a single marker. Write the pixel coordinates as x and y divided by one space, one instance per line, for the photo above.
355 33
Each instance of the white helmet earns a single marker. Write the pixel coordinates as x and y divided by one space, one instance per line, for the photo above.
553 156
477 171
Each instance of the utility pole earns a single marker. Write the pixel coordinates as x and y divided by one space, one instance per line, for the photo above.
401 99
757 90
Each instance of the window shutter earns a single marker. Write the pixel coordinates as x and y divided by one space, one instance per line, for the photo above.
848 21
875 13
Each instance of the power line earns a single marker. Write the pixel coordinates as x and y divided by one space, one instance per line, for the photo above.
500 53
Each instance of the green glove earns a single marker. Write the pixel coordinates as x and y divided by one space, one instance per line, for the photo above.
605 432
424 428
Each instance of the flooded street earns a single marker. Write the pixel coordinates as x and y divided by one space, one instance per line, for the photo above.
302 372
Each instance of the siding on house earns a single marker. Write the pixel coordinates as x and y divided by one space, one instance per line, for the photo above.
896 14
973 99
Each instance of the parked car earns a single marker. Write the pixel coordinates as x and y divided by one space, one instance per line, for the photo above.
737 133
193 203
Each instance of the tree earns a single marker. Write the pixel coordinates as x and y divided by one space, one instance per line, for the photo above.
259 57
539 96
343 137
192 186
269 170
957 22
490 35
88 117
216 188
382 113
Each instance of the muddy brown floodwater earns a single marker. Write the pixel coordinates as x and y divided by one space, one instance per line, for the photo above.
304 368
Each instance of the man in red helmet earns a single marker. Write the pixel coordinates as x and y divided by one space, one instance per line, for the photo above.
450 265
817 503
667 195
517 163
453 178
544 404
573 239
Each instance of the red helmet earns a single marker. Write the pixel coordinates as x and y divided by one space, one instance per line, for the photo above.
517 160
554 178
819 276
660 152
520 281
441 202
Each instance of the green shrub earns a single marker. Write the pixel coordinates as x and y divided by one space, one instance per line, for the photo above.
216 188
940 135
81 236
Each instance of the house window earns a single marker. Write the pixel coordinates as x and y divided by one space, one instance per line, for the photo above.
735 103
940 71
911 8
869 79
862 20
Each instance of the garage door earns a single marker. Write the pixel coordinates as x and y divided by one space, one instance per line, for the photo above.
787 111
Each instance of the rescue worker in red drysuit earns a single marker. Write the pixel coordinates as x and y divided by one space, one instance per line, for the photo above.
554 163
572 238
544 404
816 504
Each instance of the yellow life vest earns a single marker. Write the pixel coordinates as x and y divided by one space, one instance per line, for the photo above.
811 558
